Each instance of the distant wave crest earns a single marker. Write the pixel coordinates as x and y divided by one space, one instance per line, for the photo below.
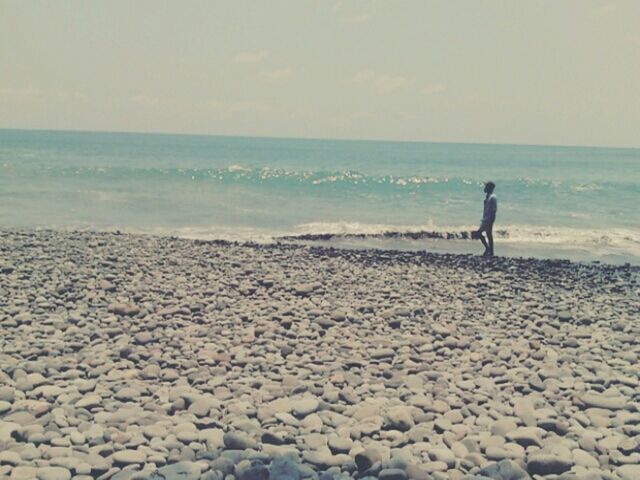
236 173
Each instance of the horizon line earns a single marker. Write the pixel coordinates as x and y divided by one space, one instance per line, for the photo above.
312 138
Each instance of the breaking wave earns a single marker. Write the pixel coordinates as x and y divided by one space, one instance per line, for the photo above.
616 240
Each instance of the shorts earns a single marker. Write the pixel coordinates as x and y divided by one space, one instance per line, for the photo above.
486 227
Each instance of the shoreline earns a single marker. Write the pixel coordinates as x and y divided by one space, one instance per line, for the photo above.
449 243
137 356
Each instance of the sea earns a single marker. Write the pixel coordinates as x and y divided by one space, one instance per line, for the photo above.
578 203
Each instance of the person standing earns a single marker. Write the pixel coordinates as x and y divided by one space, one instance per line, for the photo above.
488 218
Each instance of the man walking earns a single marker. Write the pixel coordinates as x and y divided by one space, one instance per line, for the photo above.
488 217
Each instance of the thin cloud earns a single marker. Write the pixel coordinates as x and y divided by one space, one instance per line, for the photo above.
389 83
20 95
378 84
277 75
239 107
473 98
250 57
357 19
33 94
433 88
72 97
363 76
249 107
145 100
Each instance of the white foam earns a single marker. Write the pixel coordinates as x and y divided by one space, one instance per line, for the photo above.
237 168
592 243
351 228
600 242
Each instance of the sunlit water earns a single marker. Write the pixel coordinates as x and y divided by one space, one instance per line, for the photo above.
577 202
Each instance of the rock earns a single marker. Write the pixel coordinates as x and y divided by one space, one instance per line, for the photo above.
124 309
126 394
417 472
382 353
503 426
323 458
7 394
24 385
629 445
256 472
628 472
325 322
583 459
6 268
339 315
594 400
213 437
9 458
392 474
304 289
107 286
23 473
559 427
433 467
85 386
7 430
83 468
542 463
565 316
89 401
504 470
150 372
400 418
340 444
443 455
128 457
178 471
77 438
53 473
239 441
365 459
284 468
526 436
4 407
143 338
304 406
442 425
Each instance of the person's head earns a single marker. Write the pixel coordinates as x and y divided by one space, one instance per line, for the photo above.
489 187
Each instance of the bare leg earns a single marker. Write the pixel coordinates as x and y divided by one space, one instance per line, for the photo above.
484 242
490 238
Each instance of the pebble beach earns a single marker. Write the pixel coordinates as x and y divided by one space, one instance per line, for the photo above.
140 357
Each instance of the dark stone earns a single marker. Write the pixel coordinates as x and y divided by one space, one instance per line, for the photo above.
503 470
283 468
256 472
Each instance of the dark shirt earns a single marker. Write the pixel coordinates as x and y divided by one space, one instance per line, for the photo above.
490 209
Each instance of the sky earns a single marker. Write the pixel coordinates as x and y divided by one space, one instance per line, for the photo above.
557 72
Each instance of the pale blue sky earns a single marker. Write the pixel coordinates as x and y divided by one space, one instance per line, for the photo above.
536 72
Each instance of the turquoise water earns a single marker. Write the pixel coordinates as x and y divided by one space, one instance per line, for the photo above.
255 188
